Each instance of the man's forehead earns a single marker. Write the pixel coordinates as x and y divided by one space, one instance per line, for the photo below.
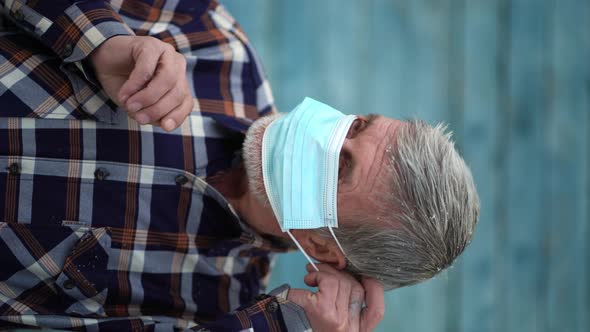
387 130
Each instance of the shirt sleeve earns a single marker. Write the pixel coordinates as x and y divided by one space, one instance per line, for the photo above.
71 29
272 312
293 315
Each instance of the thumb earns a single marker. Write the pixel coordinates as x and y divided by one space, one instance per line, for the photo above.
374 311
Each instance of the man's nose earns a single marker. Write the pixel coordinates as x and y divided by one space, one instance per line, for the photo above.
347 145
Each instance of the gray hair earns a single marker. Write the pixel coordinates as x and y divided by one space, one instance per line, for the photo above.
424 220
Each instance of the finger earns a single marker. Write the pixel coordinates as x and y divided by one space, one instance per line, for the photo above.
162 107
357 297
350 293
327 268
146 61
311 268
164 80
175 118
327 285
311 279
331 269
375 304
343 297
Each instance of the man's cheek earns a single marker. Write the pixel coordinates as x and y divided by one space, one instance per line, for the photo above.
347 205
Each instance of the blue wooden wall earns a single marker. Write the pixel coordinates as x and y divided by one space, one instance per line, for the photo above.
512 79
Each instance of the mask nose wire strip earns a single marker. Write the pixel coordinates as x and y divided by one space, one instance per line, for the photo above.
303 251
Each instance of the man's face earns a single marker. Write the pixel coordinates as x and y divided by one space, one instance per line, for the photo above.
362 161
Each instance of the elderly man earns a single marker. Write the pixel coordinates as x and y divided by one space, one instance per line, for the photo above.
125 202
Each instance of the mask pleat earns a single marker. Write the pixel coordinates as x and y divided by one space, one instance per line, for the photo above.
289 184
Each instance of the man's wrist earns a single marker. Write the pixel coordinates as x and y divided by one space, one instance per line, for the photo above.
294 316
105 48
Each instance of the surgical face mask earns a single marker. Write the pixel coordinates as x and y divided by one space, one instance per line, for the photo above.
300 159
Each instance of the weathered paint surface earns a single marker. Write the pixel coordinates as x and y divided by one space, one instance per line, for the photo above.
512 79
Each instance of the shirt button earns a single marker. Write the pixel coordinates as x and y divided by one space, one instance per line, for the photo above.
101 174
181 180
68 50
272 306
13 169
19 16
68 284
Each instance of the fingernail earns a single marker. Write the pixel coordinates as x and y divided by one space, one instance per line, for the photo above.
124 99
134 107
169 125
142 118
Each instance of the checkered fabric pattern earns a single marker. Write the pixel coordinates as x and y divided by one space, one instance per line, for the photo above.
109 225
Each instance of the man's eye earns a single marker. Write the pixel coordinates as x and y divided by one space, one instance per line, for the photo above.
356 127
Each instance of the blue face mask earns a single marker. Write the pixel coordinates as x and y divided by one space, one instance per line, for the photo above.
300 159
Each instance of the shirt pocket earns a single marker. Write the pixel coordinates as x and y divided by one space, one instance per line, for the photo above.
53 269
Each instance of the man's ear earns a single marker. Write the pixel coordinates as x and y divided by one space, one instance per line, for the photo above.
319 247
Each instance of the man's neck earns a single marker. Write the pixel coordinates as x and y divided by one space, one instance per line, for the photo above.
258 217
233 185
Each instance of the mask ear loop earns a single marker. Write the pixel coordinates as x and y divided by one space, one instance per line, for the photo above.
303 251
307 256
337 242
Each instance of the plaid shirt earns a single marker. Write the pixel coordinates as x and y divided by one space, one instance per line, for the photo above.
109 225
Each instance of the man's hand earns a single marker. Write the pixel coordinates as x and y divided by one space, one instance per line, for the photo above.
147 77
338 304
